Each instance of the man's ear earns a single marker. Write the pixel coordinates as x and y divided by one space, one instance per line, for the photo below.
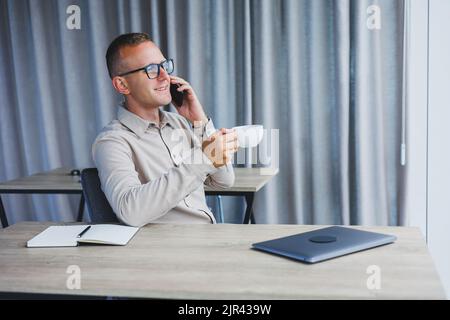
120 84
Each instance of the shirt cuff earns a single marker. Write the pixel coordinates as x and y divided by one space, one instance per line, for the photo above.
208 128
203 132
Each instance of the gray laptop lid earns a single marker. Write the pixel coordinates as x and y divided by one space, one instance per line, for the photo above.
323 244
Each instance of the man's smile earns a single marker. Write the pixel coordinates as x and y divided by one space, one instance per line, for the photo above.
163 88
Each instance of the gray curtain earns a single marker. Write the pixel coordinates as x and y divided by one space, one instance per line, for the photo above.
311 69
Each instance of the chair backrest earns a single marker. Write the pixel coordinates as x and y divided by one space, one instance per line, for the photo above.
98 206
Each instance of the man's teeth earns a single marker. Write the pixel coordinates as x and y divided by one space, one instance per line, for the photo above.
161 89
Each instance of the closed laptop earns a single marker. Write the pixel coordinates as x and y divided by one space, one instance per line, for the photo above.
323 244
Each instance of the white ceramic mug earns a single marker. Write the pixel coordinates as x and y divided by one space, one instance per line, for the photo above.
249 136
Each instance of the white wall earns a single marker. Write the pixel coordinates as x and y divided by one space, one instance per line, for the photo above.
439 138
416 112
428 186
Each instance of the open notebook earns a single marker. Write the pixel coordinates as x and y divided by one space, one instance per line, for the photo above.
67 236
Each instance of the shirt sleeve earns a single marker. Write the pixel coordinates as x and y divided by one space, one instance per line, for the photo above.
137 204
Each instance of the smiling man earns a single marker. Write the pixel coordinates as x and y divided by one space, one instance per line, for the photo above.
153 164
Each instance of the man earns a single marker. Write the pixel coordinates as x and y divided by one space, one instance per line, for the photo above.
152 164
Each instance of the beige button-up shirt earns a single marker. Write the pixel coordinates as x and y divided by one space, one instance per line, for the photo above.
152 173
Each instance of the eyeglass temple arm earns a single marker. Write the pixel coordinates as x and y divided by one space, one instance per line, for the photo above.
132 71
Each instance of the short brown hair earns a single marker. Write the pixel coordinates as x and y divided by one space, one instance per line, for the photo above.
124 40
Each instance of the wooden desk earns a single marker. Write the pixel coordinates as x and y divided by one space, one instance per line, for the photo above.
215 262
58 181
248 182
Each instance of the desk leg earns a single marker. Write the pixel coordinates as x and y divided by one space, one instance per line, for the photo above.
249 211
3 214
81 209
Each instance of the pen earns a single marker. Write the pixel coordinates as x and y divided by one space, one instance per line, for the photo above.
83 232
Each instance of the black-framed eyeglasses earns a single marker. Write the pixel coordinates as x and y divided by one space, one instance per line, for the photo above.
153 69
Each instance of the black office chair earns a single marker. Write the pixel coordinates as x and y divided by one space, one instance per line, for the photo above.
98 206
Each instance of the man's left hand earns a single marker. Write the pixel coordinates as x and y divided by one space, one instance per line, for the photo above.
191 108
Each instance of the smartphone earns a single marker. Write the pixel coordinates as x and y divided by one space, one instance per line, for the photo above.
177 96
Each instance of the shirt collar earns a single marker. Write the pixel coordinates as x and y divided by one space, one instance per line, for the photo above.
138 125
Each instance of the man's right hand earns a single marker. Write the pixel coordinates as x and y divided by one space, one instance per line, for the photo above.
221 146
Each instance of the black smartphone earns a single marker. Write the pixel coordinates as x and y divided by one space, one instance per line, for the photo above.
177 96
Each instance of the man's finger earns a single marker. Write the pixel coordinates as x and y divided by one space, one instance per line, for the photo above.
231 136
175 79
232 148
184 87
232 143
226 130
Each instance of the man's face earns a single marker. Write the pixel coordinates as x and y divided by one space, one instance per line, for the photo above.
149 93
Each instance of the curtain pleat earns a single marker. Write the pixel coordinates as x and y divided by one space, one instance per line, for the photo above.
312 72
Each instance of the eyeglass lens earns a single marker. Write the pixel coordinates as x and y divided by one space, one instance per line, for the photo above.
153 69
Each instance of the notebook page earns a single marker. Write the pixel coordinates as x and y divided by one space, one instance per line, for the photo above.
108 234
57 236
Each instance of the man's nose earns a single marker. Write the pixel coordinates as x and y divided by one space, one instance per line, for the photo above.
163 73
